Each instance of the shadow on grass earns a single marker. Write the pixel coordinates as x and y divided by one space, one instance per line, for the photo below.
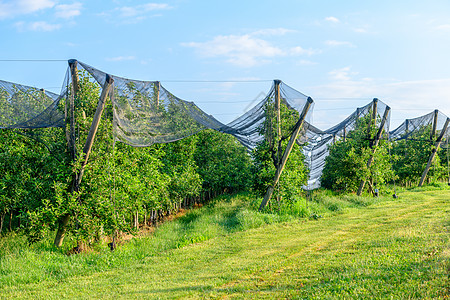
230 221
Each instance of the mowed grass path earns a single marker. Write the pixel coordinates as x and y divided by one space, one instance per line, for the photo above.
397 249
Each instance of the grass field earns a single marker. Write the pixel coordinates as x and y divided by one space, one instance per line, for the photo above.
360 249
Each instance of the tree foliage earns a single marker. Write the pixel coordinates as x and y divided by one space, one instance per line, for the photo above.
268 153
346 165
122 186
412 155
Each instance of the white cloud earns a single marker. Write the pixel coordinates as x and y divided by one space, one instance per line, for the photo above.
443 27
332 19
121 58
300 51
334 43
305 62
67 11
360 30
11 9
242 50
342 74
140 11
273 31
36 26
246 50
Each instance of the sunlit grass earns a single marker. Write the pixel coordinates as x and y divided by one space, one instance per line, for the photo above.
372 248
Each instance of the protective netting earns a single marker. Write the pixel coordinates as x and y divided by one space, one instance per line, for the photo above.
318 141
422 128
25 107
146 113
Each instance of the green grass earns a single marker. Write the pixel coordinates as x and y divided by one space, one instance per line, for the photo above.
372 248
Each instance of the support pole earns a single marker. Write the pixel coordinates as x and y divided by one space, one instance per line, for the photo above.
433 131
286 153
406 134
278 116
75 89
373 119
277 84
158 88
374 145
433 152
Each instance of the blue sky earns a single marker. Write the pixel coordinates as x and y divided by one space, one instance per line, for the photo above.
341 53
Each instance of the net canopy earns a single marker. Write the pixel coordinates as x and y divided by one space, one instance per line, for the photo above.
25 107
415 128
146 113
318 141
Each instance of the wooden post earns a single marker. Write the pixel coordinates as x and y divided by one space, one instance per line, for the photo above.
286 153
406 129
277 105
278 115
158 88
406 135
373 146
433 152
433 131
94 126
75 85
374 109
277 84
373 119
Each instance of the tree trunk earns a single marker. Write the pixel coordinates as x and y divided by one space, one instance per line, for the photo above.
59 238
136 220
2 218
10 221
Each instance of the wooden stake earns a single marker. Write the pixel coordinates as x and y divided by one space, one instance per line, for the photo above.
406 134
373 119
158 88
374 145
75 85
278 116
433 152
277 84
277 105
286 153
433 131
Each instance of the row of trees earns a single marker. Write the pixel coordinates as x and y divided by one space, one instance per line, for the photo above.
401 161
124 186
